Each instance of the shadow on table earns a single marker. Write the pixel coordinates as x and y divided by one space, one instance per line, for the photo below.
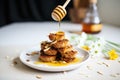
20 66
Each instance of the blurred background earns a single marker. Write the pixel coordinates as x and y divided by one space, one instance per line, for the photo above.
40 10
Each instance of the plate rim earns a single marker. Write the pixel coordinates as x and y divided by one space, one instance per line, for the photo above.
52 68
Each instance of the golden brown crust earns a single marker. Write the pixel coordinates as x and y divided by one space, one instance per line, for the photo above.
69 54
52 36
56 36
67 59
65 49
58 49
47 58
61 43
50 51
45 44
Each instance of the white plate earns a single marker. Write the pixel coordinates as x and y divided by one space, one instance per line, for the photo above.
43 67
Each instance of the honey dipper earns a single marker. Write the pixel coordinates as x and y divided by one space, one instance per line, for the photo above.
59 12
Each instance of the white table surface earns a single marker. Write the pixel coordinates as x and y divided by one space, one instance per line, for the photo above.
17 37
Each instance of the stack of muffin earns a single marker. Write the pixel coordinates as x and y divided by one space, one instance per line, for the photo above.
57 49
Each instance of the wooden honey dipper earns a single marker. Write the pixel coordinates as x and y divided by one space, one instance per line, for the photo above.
59 12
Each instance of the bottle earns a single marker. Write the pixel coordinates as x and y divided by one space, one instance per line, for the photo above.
78 11
91 22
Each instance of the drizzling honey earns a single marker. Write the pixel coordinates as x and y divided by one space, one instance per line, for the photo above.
59 29
58 63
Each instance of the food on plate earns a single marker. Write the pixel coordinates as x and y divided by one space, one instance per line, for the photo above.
45 44
56 36
57 49
50 51
69 54
61 43
67 59
65 49
47 58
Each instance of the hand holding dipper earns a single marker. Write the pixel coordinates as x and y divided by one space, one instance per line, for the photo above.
59 12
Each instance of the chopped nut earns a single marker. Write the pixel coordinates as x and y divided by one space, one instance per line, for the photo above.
27 60
99 72
63 62
105 64
15 62
38 76
89 67
7 57
117 73
113 75
99 63
28 54
34 53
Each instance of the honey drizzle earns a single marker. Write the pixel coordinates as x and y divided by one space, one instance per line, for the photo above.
58 63
59 29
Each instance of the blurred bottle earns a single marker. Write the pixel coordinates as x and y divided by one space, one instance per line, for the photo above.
77 13
91 22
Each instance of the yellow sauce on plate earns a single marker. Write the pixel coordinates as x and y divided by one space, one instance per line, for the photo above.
58 63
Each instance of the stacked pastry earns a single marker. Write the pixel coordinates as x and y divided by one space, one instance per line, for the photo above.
58 48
